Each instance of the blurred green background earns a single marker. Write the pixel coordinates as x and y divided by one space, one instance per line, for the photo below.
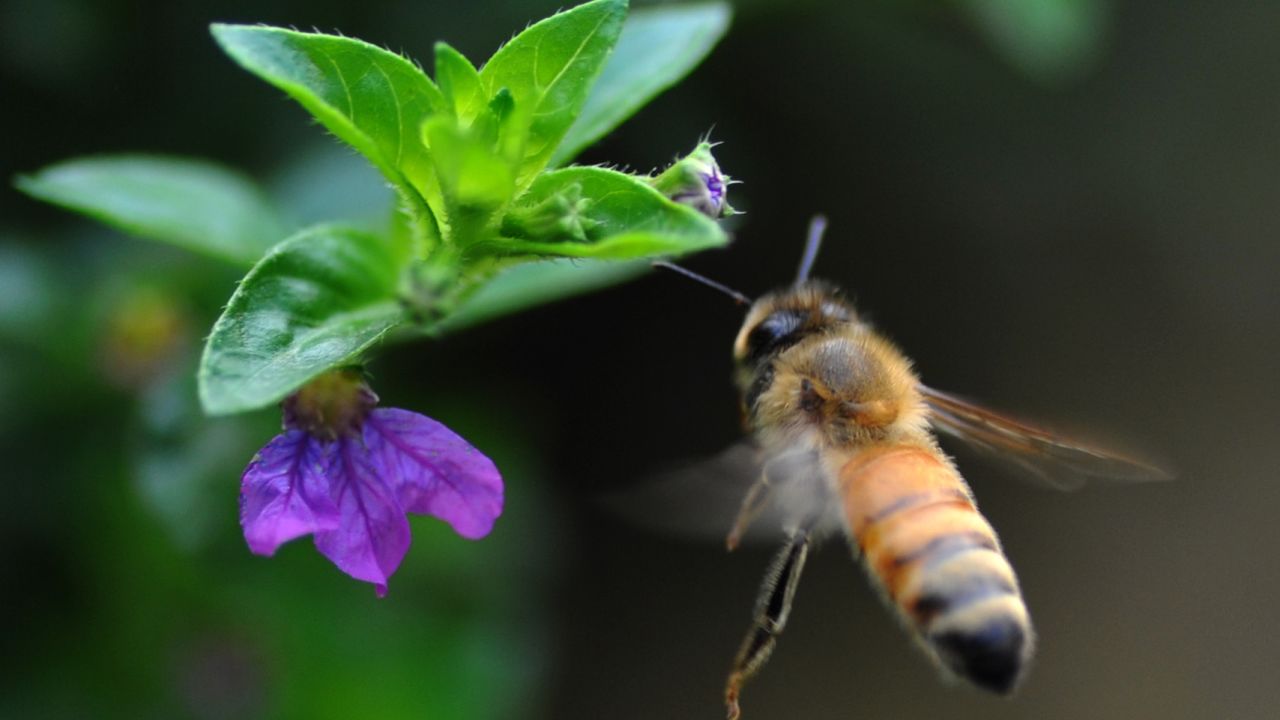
1067 209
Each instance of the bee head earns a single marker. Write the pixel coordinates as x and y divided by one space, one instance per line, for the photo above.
781 319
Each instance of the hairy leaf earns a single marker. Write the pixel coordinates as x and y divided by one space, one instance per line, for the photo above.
621 217
549 68
317 301
372 99
459 82
194 204
657 48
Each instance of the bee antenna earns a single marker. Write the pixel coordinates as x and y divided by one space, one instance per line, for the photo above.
817 227
742 299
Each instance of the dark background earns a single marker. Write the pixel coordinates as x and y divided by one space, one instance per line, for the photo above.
1087 237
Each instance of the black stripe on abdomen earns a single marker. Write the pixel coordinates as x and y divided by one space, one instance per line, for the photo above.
991 656
932 603
970 610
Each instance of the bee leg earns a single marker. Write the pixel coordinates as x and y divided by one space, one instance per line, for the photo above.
753 504
772 607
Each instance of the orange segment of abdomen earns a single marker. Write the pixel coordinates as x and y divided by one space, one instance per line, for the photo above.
939 561
905 505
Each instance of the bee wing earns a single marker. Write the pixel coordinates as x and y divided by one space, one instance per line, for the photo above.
1059 461
702 500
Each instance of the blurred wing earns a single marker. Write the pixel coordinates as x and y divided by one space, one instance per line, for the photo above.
1061 462
702 500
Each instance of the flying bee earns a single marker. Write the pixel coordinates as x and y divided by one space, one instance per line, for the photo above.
843 436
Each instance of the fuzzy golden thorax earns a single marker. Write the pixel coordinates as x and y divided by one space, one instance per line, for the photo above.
805 362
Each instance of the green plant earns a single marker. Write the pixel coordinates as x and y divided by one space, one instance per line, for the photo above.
486 210
488 220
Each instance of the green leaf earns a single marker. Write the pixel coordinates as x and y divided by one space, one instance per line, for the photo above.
317 301
536 283
459 82
372 99
194 204
657 48
549 68
621 215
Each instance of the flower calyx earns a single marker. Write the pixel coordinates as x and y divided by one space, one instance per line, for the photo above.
695 180
332 406
560 217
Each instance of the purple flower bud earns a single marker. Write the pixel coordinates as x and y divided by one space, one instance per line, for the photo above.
695 180
347 474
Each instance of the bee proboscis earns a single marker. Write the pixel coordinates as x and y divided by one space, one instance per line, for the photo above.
842 427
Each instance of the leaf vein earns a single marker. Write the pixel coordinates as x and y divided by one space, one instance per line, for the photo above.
399 113
351 106
569 63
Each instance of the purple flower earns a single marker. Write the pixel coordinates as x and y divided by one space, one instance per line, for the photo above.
347 474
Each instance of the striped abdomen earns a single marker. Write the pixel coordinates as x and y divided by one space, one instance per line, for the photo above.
938 561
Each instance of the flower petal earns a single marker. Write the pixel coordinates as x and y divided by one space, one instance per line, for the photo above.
434 471
283 493
373 533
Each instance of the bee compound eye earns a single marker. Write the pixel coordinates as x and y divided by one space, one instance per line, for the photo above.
776 332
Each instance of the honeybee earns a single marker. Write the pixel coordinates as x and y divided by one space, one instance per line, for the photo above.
843 431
